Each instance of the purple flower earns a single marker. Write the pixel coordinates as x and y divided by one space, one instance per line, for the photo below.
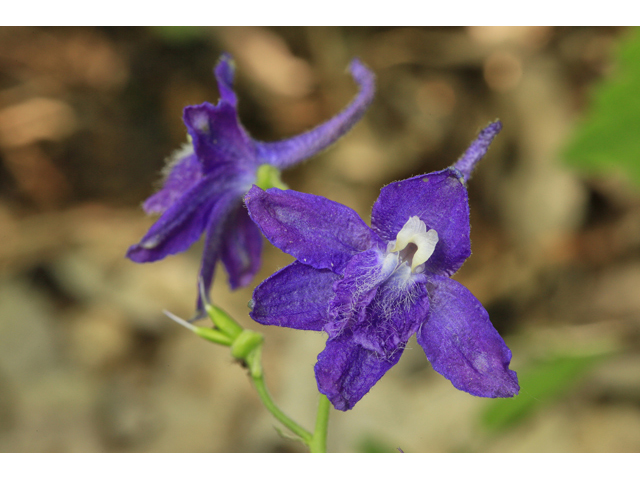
371 289
208 178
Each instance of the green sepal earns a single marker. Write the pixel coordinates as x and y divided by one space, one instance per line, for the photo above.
245 343
223 321
213 335
268 176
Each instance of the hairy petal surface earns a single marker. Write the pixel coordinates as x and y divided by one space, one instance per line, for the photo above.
355 291
346 371
286 153
440 200
462 344
317 231
396 312
183 172
219 139
295 297
241 247
477 150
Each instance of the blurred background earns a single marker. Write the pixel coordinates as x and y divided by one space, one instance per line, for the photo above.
88 362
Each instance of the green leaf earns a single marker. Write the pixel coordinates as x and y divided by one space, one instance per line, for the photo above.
608 139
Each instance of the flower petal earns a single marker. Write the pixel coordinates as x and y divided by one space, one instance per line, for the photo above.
295 297
317 231
216 229
219 139
286 153
462 344
241 248
360 280
396 312
179 226
183 172
477 150
346 371
440 200
224 72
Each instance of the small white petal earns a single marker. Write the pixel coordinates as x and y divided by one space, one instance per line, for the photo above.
415 231
413 226
426 243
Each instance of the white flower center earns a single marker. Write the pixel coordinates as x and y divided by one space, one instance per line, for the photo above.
414 242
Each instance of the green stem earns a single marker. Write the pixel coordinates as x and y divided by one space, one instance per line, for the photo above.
257 376
318 442
246 346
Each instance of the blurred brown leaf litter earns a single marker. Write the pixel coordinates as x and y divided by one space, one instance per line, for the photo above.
87 116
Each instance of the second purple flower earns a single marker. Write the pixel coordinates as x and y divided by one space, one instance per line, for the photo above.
207 180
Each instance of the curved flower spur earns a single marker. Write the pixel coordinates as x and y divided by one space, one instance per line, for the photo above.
207 179
371 289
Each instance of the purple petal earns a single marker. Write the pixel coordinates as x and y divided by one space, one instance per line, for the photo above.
393 316
295 297
184 171
179 226
477 150
219 139
462 344
346 371
440 200
359 284
224 72
317 231
217 222
288 152
241 248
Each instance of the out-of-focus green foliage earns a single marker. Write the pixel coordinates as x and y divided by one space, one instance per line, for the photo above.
539 384
608 140
372 444
180 35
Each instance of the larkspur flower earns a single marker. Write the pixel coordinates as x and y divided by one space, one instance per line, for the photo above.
208 178
371 289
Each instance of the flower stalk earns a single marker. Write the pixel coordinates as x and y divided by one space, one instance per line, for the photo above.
318 442
246 347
